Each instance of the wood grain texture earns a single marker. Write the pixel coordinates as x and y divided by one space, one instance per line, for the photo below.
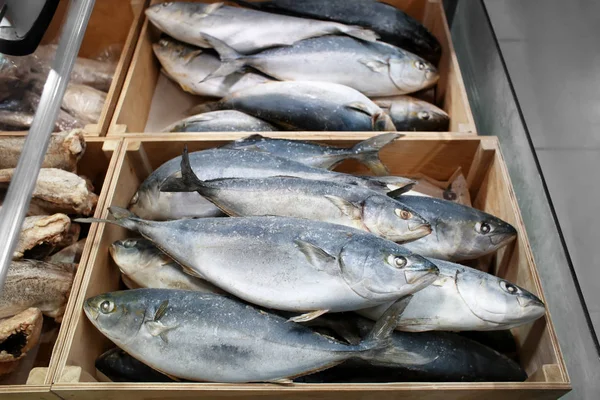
133 106
436 154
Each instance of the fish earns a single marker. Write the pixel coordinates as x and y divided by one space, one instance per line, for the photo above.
245 30
15 120
220 121
86 71
64 120
84 103
287 264
306 106
392 24
20 334
146 266
64 151
70 254
57 191
34 283
47 231
445 357
150 203
466 299
372 68
161 327
189 67
411 114
347 205
320 155
458 232
118 366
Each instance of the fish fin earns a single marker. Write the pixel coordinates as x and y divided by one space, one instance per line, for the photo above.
400 356
188 182
394 194
204 107
308 316
358 106
282 381
191 272
157 328
162 309
123 217
211 9
231 60
361 33
367 152
374 65
191 55
381 332
256 136
318 257
346 207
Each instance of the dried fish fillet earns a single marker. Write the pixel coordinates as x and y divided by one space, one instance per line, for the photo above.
42 229
20 334
70 254
34 283
64 151
58 191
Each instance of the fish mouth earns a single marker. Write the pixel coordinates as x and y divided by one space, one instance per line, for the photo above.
415 276
419 227
90 310
531 301
503 235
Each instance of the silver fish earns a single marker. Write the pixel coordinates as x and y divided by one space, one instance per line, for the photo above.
411 114
220 121
239 343
347 205
146 266
306 106
190 66
288 264
150 203
320 155
459 232
372 68
33 283
466 299
245 30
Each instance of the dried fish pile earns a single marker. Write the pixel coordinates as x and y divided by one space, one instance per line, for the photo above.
306 66
22 80
268 256
40 276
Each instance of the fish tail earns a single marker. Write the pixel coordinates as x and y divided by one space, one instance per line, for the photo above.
123 217
361 33
188 182
367 152
231 60
381 333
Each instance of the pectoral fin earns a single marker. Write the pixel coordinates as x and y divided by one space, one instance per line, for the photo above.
318 257
192 272
374 65
308 316
157 328
349 209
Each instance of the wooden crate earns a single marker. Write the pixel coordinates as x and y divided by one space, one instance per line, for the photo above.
97 164
113 22
150 101
437 155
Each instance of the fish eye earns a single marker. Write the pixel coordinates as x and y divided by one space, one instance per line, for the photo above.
128 244
424 115
397 261
420 65
483 227
403 213
107 307
167 4
509 287
135 198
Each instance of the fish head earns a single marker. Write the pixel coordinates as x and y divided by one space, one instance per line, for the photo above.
422 116
496 300
412 73
118 315
380 270
134 254
382 122
393 220
171 52
466 232
168 15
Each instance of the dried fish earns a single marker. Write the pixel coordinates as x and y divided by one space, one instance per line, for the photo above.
48 230
20 334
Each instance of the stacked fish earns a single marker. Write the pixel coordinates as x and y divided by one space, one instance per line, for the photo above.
270 292
22 81
39 279
323 69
